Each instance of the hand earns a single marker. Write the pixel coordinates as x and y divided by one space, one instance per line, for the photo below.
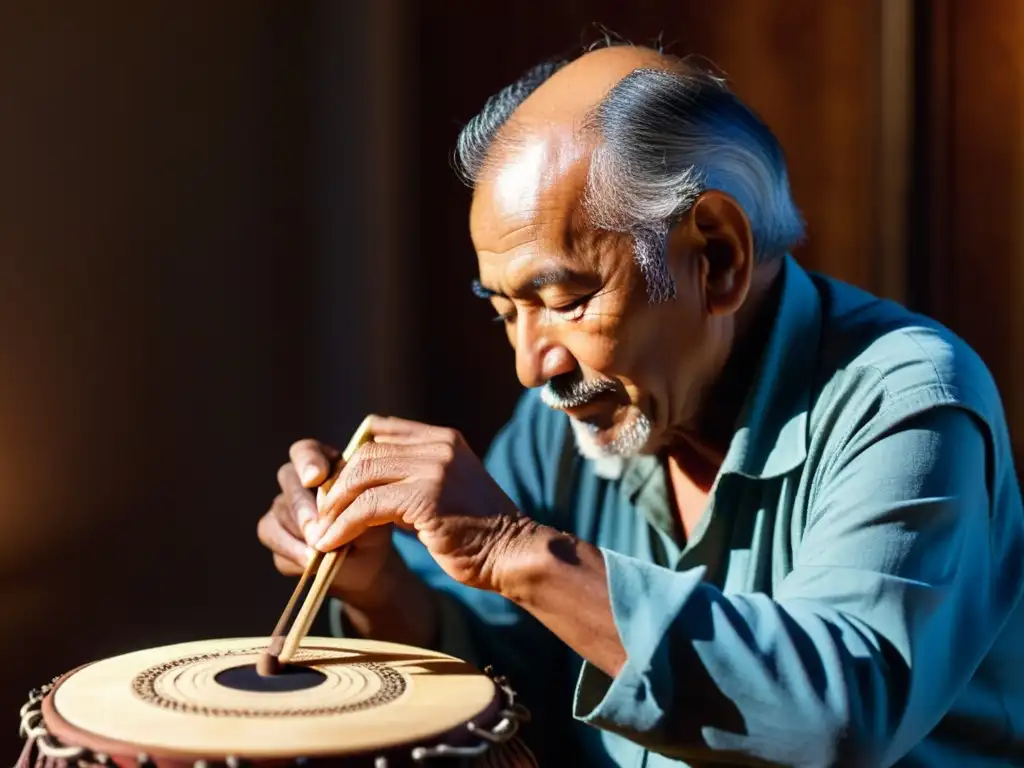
283 528
425 479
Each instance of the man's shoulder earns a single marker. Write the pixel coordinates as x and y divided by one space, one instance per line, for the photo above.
889 359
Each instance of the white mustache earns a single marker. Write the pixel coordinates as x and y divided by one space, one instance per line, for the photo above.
578 393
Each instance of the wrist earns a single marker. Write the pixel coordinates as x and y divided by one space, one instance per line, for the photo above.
532 557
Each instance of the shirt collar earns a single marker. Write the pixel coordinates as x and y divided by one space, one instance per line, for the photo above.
771 436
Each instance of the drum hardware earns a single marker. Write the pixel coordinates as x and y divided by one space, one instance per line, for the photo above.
511 715
33 729
506 728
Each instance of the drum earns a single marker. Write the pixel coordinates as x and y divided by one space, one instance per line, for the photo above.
339 702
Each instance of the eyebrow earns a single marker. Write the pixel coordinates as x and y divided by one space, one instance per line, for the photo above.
551 276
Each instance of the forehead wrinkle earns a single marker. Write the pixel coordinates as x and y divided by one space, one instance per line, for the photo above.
515 274
529 229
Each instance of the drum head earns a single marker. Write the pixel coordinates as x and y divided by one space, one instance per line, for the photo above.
204 700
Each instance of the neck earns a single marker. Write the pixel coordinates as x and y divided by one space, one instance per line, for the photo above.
716 420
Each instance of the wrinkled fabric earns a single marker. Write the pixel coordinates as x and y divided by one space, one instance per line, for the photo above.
851 595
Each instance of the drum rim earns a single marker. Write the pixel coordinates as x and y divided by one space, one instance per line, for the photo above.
496 723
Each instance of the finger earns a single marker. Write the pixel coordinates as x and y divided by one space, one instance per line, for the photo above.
286 516
379 464
297 498
275 538
380 505
288 567
312 460
392 428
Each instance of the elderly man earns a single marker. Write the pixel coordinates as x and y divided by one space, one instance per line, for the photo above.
743 514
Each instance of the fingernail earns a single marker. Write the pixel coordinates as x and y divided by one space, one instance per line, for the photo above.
310 474
323 545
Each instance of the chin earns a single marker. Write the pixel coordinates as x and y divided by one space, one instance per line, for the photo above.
629 436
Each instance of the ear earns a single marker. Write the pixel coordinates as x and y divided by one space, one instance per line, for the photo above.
716 237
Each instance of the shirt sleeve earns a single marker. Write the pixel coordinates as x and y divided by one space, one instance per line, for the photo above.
905 574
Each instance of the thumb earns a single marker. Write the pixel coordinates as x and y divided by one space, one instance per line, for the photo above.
312 461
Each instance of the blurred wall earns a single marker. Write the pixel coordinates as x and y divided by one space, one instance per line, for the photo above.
156 245
968 241
196 233
224 226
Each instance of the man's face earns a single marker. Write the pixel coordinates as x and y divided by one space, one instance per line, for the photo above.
574 303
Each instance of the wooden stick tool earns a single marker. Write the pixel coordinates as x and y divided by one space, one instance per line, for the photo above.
324 564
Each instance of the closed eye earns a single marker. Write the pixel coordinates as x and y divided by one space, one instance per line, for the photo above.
574 310
505 317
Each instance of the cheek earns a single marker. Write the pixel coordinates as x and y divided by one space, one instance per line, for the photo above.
600 339
618 345
592 351
649 345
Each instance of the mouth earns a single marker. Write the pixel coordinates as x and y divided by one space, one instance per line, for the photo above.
594 403
599 410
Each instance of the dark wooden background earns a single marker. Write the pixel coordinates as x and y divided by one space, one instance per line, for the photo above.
227 225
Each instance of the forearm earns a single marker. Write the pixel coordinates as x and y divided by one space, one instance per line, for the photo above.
398 608
562 582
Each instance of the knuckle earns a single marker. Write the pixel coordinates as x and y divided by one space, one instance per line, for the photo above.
263 529
373 504
435 473
374 450
282 511
284 472
296 498
445 452
366 465
370 501
358 472
421 503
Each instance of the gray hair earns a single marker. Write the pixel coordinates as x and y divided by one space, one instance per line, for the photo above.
478 137
666 136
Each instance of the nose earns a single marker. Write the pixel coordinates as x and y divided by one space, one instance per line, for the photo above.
539 354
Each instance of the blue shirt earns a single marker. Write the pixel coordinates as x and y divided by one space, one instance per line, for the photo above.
851 595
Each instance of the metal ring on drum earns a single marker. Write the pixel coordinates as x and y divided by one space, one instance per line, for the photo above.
340 702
